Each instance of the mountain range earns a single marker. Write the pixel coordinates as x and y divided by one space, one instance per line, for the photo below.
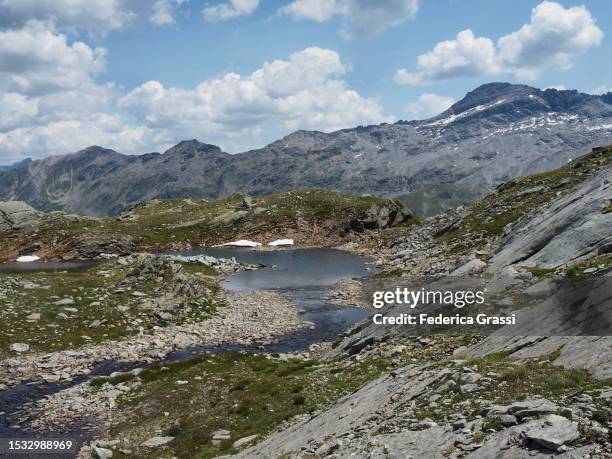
496 132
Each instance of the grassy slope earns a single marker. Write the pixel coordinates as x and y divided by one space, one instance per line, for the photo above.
95 298
513 200
312 217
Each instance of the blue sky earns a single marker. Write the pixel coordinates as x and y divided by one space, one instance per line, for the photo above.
140 75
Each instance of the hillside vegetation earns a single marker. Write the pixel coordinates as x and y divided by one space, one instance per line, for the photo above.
311 217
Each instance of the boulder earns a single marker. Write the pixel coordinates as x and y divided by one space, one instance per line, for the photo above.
528 407
102 453
552 432
154 442
474 266
19 347
380 216
506 420
243 441
17 215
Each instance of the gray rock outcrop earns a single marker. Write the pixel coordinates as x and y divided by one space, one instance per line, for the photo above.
17 215
571 227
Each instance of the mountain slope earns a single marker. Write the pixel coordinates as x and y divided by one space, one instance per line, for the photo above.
498 131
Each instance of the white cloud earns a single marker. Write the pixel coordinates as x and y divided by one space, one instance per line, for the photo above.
79 14
100 16
69 135
466 56
553 38
163 12
314 10
603 89
229 10
301 92
66 114
365 16
429 104
35 59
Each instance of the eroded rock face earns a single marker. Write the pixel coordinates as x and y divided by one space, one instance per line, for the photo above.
573 226
92 246
17 215
380 216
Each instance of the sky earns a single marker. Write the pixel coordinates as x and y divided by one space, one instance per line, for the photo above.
141 75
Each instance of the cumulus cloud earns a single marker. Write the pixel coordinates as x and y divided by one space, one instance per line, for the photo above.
301 92
50 102
36 59
307 91
429 104
229 10
87 15
80 14
163 12
466 56
554 36
363 16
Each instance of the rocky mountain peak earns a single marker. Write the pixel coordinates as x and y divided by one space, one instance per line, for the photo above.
192 146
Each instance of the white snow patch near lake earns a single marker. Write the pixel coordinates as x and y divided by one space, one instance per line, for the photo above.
280 242
242 243
28 259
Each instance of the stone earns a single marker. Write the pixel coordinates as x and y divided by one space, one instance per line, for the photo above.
64 302
470 378
19 347
506 420
95 324
243 441
247 202
221 434
426 424
17 215
525 408
541 289
552 432
33 316
155 442
102 453
467 388
474 266
572 226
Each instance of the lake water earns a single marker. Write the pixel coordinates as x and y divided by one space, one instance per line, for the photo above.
306 278
47 266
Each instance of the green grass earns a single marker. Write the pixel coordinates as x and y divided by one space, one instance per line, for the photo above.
541 272
165 224
94 296
490 216
577 270
513 381
245 393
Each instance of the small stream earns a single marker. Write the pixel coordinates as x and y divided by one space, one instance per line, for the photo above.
304 276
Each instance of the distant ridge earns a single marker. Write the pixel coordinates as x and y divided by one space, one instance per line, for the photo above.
497 131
